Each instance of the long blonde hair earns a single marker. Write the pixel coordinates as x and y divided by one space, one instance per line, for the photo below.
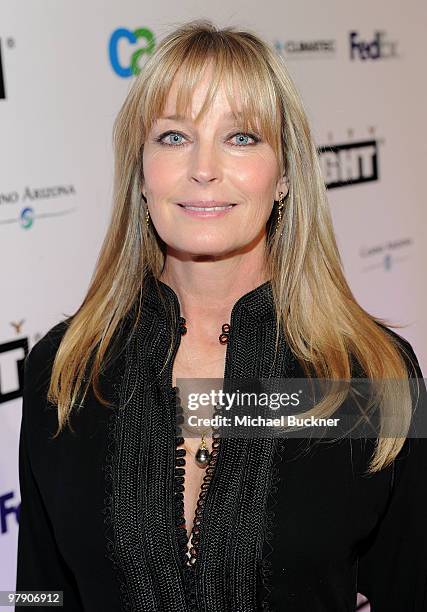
322 320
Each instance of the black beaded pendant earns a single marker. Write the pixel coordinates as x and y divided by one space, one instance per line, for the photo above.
225 333
182 326
202 456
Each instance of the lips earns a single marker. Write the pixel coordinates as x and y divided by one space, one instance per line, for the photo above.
205 204
208 208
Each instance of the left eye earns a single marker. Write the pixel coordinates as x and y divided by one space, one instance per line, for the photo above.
243 135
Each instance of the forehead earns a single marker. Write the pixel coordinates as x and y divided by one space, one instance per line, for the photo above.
184 101
226 116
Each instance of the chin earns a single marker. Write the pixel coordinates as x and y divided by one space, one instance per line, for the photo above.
201 247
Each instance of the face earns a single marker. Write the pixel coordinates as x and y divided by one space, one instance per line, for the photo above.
187 166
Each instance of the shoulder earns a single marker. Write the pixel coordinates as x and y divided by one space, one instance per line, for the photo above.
406 350
38 362
38 417
416 441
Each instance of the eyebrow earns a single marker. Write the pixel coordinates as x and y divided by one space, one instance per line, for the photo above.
229 115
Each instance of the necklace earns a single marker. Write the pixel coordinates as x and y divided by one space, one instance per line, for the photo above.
202 455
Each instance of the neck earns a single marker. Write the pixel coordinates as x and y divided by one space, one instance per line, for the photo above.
207 291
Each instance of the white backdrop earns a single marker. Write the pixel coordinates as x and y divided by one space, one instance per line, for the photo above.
64 72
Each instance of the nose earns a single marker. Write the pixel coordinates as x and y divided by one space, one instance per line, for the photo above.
205 165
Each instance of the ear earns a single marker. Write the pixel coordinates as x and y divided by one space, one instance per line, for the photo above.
282 186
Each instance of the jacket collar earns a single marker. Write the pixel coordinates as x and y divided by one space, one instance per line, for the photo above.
161 299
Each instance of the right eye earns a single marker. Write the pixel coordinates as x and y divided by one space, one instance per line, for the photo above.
176 135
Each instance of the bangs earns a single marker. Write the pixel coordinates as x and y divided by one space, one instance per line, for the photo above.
236 66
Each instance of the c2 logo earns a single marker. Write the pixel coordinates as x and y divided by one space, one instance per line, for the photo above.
132 38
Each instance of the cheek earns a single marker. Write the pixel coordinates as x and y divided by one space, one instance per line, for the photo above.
255 175
159 174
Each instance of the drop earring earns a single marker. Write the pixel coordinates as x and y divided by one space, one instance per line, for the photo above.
147 212
280 208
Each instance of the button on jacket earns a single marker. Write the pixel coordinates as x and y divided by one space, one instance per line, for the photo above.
285 524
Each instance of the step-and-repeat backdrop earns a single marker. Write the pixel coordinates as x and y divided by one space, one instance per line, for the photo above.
65 68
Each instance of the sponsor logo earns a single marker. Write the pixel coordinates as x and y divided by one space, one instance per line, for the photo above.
377 48
8 43
2 84
385 255
350 163
12 356
297 49
124 58
8 508
22 207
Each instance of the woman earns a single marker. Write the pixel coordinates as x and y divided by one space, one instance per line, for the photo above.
220 262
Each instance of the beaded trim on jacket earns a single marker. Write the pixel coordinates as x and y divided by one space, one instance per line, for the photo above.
145 538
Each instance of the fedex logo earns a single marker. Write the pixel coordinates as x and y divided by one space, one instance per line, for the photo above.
377 48
8 509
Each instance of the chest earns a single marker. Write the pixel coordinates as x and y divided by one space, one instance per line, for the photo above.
196 359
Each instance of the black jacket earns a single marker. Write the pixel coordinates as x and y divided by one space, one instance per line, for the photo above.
284 526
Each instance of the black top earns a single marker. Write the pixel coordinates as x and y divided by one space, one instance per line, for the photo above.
290 525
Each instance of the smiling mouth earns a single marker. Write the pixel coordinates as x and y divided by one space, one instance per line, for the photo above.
207 208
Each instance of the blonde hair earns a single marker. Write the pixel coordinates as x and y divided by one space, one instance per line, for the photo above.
323 323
